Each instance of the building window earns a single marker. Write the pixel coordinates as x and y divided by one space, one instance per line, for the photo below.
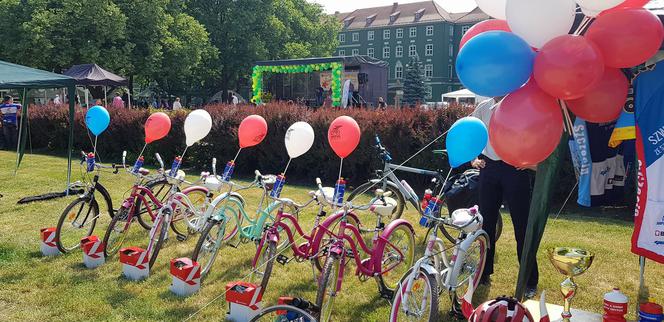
398 52
412 51
451 51
356 36
370 52
342 37
450 71
428 70
428 92
342 52
429 30
386 52
413 32
398 70
451 30
370 35
356 52
400 33
428 50
386 34
464 29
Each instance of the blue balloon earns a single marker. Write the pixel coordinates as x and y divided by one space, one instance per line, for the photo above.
495 63
97 119
466 140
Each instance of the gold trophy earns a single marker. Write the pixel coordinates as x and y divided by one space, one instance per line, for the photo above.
569 262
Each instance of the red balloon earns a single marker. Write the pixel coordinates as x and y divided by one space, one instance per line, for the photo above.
627 37
568 66
486 25
252 131
604 102
157 127
526 127
626 5
343 135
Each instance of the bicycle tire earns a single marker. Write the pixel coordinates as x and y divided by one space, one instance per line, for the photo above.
111 248
67 214
160 189
409 254
370 186
431 287
304 315
162 228
181 228
266 257
205 234
456 296
330 270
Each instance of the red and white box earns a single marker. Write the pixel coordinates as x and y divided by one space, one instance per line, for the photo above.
48 240
186 275
135 263
244 301
93 251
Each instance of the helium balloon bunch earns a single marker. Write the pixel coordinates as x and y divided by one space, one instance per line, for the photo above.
257 84
528 55
337 75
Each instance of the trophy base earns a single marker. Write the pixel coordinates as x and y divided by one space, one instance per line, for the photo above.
555 310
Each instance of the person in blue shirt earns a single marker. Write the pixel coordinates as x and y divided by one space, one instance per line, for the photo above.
9 112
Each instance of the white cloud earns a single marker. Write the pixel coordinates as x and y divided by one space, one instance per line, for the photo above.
349 5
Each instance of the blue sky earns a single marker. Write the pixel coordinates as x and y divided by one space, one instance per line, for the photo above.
348 5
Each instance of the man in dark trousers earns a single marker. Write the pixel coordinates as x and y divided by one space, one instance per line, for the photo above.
500 180
9 112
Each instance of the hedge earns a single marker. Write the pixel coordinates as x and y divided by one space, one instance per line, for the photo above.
403 133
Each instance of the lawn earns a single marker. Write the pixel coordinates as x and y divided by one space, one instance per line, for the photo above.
61 288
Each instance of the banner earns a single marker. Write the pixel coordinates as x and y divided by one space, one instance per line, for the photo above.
326 80
648 237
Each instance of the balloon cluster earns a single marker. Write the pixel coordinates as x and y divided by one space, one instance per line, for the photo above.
527 55
336 69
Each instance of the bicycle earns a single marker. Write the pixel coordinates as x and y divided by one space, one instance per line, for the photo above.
393 250
152 200
387 180
80 217
291 310
416 298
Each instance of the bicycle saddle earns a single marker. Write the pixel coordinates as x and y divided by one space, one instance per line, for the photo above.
181 175
143 171
211 182
384 208
268 181
329 193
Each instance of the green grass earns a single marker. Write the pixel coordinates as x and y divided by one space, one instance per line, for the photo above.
36 288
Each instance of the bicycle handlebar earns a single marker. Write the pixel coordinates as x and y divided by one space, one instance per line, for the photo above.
380 194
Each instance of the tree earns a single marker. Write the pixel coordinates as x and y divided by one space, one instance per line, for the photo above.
414 89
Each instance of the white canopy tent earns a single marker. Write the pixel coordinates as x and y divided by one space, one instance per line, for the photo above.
463 95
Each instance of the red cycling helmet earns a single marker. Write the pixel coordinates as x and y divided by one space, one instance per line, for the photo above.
502 309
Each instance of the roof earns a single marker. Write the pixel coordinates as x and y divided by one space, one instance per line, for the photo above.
17 76
346 60
403 14
462 93
93 75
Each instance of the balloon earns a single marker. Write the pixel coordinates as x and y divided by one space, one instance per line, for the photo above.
526 127
604 102
627 4
252 131
493 8
299 139
466 140
568 66
598 5
197 125
157 126
97 119
626 37
343 135
538 21
484 26
494 63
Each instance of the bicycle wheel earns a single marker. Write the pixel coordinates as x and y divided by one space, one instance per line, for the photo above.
263 268
157 236
77 221
327 286
160 189
116 232
183 216
397 256
473 265
208 245
363 194
283 313
422 301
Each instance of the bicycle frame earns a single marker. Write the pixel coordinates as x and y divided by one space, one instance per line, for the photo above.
139 191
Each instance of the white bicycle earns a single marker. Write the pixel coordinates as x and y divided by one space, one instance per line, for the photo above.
442 268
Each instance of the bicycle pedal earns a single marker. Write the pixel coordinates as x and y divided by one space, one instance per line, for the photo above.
181 238
281 259
349 253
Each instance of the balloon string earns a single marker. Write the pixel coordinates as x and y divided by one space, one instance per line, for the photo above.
94 147
237 154
143 149
287 164
183 153
341 166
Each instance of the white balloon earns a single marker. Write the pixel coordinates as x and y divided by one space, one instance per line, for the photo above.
197 126
538 21
493 8
299 139
598 5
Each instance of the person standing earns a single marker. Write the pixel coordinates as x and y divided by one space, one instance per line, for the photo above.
500 180
57 100
9 112
177 105
117 101
234 99
381 104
